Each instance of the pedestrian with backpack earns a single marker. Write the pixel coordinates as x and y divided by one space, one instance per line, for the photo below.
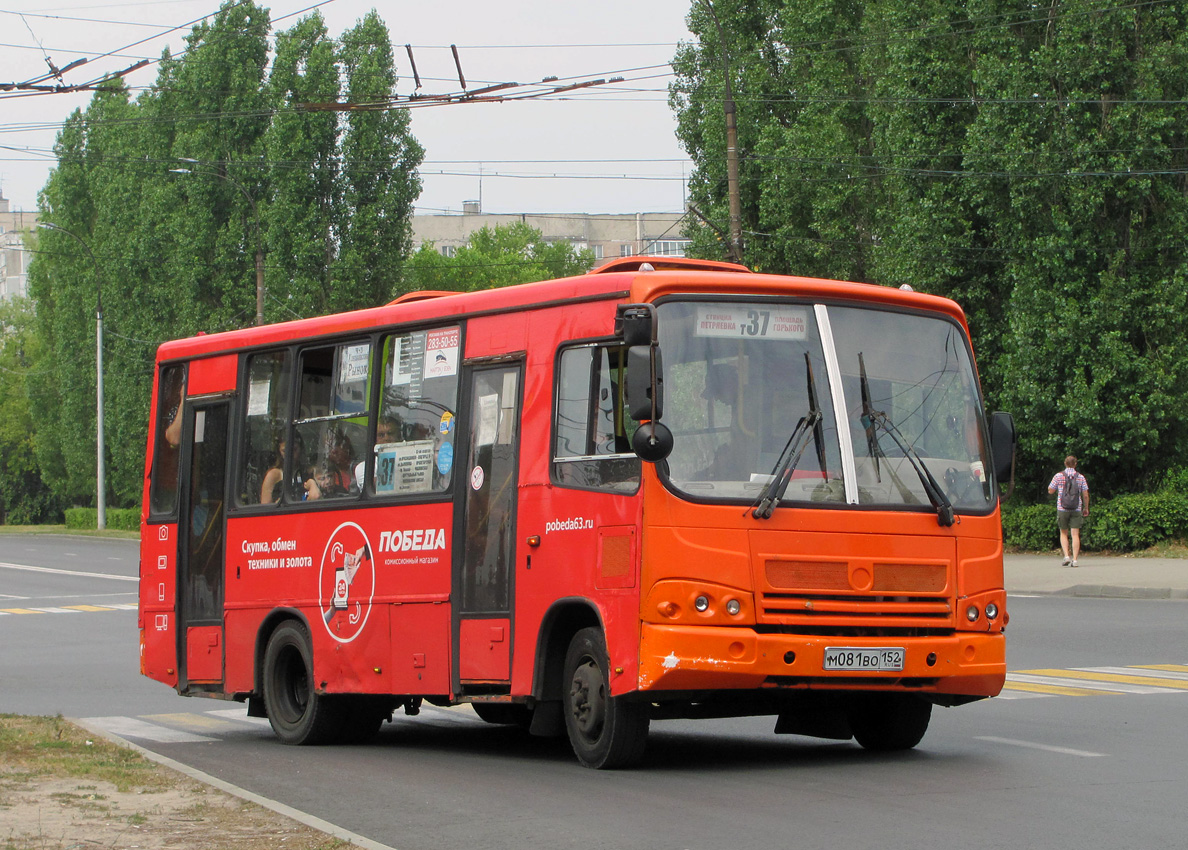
1072 506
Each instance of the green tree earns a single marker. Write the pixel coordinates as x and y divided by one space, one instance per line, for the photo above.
301 147
24 497
380 181
499 256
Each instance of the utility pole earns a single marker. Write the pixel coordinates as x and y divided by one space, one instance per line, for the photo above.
732 191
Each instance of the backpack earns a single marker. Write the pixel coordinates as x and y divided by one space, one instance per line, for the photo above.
1070 492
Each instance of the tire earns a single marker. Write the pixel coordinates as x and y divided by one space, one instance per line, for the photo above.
604 731
297 713
890 722
503 714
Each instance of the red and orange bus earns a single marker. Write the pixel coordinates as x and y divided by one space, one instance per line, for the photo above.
664 489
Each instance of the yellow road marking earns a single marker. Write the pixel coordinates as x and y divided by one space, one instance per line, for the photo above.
88 608
1150 681
1058 690
20 611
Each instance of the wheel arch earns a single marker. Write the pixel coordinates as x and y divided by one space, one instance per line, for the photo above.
564 619
264 634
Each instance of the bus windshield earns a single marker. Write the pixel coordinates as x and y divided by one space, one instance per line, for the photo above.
740 377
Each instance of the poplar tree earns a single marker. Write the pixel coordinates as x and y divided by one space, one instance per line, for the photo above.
380 182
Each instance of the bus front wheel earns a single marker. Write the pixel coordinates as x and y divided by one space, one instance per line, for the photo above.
297 713
604 731
890 722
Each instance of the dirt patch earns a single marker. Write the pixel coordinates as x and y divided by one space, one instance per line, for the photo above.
56 814
62 788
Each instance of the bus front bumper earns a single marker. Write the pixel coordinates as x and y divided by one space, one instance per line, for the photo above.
692 658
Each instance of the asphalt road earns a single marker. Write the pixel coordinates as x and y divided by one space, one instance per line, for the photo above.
1068 757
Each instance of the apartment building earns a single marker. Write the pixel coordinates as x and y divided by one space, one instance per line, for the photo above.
14 259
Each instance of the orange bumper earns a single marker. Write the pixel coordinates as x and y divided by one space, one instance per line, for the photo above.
715 658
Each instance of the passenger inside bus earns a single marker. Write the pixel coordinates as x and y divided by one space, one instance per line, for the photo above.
333 475
269 494
387 430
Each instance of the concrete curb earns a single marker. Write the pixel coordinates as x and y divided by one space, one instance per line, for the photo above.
1109 591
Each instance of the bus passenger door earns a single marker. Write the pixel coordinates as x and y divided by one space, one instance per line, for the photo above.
484 570
201 537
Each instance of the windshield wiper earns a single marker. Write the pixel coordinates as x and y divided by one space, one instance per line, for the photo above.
781 474
872 418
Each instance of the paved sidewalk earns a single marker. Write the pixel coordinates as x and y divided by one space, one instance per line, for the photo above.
1098 575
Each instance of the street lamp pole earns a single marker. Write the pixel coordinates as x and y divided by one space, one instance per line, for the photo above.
259 231
100 465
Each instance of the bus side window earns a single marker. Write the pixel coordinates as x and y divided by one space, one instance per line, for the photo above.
413 452
592 448
265 431
168 442
332 420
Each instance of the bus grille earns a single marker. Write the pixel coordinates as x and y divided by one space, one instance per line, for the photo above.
822 595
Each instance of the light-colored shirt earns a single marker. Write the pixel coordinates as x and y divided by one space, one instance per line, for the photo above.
1057 484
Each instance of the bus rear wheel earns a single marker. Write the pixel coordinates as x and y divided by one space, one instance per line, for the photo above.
604 731
297 713
890 722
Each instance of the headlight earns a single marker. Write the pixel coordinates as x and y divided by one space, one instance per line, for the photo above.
701 603
991 611
971 613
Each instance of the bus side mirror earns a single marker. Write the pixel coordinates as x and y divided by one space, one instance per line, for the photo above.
1002 444
641 392
636 324
652 441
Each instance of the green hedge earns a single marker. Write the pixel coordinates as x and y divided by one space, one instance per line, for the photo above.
1122 524
124 519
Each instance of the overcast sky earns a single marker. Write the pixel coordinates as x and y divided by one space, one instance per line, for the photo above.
608 149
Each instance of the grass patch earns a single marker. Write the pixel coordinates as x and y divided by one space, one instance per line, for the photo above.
1165 549
112 533
52 746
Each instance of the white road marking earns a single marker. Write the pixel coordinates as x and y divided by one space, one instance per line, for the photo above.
1045 747
31 569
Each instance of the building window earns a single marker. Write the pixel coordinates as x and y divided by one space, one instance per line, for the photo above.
669 248
598 252
625 251
449 250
